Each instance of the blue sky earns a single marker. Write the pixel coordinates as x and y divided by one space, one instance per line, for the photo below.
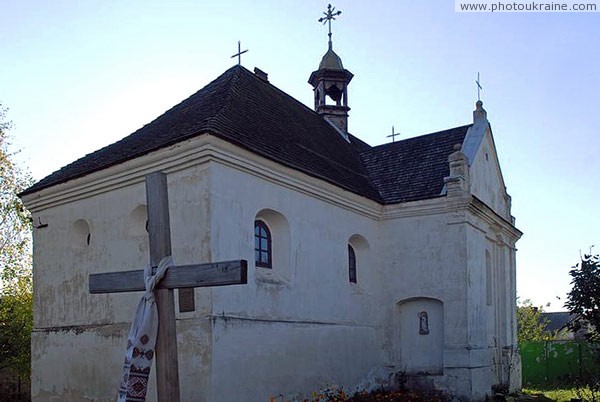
78 75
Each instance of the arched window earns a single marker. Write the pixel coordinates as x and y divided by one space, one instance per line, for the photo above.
262 245
351 264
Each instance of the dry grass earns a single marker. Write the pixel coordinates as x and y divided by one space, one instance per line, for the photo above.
557 394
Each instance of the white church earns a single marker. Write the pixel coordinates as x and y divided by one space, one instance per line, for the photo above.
367 266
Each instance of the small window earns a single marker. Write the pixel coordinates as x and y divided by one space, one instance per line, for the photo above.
262 245
351 264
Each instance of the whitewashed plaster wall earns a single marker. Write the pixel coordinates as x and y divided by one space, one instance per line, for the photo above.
301 324
426 259
71 327
487 182
492 260
491 304
440 254
85 335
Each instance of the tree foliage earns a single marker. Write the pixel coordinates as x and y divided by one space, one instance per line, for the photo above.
15 226
531 326
583 301
16 316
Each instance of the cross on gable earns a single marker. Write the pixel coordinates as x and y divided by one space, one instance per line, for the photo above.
176 277
479 87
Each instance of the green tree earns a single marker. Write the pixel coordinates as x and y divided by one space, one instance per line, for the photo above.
16 316
531 326
583 301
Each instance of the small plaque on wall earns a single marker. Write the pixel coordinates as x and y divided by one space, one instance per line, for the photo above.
187 302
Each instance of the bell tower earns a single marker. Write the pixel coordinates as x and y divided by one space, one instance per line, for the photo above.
331 81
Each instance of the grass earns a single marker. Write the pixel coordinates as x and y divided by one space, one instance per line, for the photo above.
556 394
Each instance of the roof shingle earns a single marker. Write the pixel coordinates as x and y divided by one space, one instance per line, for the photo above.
412 169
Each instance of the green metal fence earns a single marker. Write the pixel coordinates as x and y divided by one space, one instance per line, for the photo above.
555 362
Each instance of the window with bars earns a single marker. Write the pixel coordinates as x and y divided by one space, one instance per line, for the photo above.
262 245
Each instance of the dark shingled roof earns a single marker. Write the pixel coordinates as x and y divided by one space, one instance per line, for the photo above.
247 111
251 113
556 320
412 169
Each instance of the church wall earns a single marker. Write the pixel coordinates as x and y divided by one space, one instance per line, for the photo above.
84 335
301 324
442 256
486 178
77 331
427 259
485 349
77 366
63 258
491 306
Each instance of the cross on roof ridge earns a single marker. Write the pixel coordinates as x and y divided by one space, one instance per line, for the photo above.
239 53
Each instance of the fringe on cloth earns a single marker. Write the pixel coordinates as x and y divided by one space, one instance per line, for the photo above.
141 341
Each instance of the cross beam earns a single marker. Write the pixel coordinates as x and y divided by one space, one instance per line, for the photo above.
177 277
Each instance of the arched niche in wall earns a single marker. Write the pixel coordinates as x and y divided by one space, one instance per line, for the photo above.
81 235
419 335
360 247
279 229
137 225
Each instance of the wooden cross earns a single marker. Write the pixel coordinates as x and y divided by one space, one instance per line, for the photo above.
177 277
239 53
479 87
393 135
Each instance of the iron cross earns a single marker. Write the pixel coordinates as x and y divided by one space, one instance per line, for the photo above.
479 87
393 135
330 14
239 53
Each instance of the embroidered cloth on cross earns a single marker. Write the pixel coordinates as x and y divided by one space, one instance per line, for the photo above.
142 339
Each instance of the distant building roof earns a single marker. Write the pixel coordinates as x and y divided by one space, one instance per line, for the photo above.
556 320
247 111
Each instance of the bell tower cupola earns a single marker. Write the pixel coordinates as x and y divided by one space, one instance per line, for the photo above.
331 81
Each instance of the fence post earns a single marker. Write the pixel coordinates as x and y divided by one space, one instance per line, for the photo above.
547 371
580 361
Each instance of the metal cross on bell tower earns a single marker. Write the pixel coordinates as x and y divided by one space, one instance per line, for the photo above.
330 14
